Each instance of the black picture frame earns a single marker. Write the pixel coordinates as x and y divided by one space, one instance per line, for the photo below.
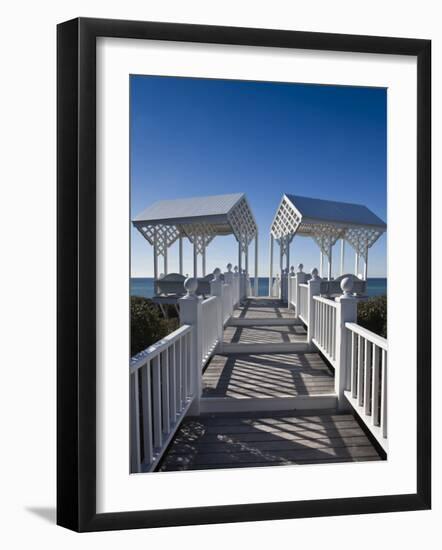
76 274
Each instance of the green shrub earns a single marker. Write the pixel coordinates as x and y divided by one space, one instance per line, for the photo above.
372 315
147 323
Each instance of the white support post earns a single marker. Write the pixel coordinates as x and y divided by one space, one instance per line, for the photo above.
180 249
191 314
239 257
301 277
287 253
155 258
256 264
237 286
346 312
356 264
314 287
195 258
204 259
321 264
366 265
229 280
290 285
271 265
165 257
216 289
281 255
342 255
329 274
246 261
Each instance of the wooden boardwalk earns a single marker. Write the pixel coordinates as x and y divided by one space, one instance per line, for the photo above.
242 376
267 439
270 392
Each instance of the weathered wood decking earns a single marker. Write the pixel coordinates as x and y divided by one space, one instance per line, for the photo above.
242 376
266 439
246 378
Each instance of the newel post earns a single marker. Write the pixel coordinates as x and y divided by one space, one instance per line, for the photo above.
191 314
314 288
236 277
228 279
290 282
300 278
346 312
216 289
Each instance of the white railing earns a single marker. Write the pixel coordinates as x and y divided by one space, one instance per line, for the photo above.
292 291
209 327
366 381
162 386
302 306
324 320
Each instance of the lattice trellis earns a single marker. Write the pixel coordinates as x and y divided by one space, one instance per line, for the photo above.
162 235
326 236
200 233
286 222
362 238
242 223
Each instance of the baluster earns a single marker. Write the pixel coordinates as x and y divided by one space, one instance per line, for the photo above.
165 391
135 424
384 393
361 341
354 364
375 388
183 370
156 391
172 384
177 352
367 378
146 400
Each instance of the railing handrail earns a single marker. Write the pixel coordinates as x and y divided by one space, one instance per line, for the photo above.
303 284
152 351
208 300
368 334
326 301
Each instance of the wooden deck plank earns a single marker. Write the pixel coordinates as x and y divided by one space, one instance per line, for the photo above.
242 376
264 334
261 308
243 440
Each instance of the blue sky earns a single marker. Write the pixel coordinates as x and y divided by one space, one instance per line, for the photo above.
194 137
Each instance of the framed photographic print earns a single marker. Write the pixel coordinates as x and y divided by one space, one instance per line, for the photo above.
236 207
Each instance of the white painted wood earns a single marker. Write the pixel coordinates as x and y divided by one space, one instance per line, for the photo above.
342 256
134 424
146 398
165 258
356 264
156 393
271 266
360 388
375 394
365 333
165 407
204 260
313 291
178 375
367 377
384 379
195 259
375 430
172 383
256 290
180 250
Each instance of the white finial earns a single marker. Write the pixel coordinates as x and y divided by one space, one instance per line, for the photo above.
161 275
292 270
229 267
314 273
235 269
347 286
191 284
300 267
216 273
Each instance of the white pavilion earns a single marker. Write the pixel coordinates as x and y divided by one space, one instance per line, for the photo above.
326 222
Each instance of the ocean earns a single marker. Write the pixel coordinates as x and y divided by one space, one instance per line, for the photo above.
143 286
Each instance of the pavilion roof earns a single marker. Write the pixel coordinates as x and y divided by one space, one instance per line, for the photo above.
200 218
327 221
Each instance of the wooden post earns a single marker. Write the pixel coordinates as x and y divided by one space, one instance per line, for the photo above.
346 312
300 278
321 264
191 314
165 256
256 264
271 265
342 255
329 262
314 287
357 264
195 258
204 259
180 244
216 289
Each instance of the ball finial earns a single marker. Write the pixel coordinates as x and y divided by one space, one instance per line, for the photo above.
292 270
235 269
314 273
229 267
191 284
347 286
300 267
216 273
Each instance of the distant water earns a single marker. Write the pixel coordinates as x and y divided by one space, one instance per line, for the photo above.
143 286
